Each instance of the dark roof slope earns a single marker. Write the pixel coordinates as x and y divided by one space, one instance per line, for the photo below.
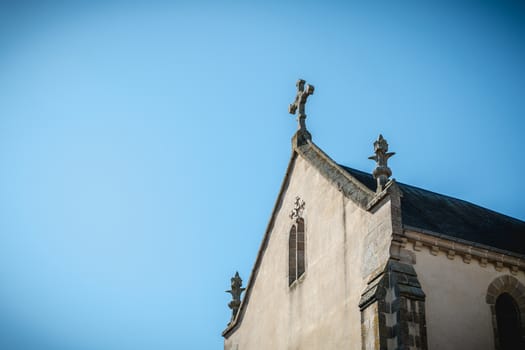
454 217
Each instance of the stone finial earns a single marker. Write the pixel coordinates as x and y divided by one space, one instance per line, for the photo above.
236 291
382 172
300 101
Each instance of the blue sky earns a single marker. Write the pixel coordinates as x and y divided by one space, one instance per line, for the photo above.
142 144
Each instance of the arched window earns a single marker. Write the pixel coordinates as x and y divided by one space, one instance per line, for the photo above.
296 251
300 247
508 319
292 255
506 298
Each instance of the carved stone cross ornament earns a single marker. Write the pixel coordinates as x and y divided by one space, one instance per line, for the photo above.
382 172
300 101
297 211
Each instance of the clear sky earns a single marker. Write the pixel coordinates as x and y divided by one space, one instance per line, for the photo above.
143 143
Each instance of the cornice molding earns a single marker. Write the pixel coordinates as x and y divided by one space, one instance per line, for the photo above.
467 250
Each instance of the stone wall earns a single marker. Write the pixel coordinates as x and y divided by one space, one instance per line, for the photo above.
458 314
320 310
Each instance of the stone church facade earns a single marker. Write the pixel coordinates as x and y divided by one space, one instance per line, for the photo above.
352 260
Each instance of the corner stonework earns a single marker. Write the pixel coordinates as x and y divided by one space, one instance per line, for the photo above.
393 310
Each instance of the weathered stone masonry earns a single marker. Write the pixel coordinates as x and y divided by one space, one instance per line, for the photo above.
400 306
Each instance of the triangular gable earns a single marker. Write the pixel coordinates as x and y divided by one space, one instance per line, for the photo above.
335 174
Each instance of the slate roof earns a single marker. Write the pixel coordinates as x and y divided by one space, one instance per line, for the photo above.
454 217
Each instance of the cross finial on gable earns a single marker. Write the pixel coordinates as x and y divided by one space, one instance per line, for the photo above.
300 101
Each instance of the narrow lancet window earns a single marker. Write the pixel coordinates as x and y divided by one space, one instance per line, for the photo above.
292 255
296 251
296 243
300 247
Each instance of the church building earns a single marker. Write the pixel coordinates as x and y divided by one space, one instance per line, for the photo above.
359 261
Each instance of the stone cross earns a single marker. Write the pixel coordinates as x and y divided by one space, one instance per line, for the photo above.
236 291
297 211
382 172
300 101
